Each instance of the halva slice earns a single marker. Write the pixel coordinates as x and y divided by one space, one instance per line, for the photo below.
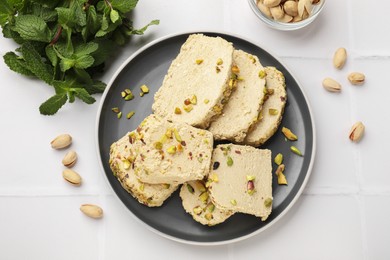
122 154
172 152
244 105
197 81
244 179
196 201
273 108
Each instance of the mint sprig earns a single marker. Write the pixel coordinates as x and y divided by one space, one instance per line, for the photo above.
65 43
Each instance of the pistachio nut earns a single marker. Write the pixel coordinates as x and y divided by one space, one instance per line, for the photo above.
271 3
61 141
277 12
69 159
92 210
356 132
331 85
72 177
356 78
291 8
339 58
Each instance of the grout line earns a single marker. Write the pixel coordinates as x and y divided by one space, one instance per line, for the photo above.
357 152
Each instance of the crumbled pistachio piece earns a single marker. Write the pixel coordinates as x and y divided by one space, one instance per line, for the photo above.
219 61
115 110
190 189
179 147
235 69
204 196
229 161
188 108
130 114
158 145
268 202
278 159
208 216
206 101
144 89
200 159
177 135
250 177
270 91
233 202
262 74
123 94
200 186
129 97
289 134
217 69
167 185
177 111
217 109
251 192
272 111
171 149
214 177
199 61
141 94
296 151
119 115
194 100
141 187
126 164
250 186
279 173
210 207
197 210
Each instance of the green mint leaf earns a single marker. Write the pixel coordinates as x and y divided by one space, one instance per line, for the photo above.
84 95
119 38
35 63
17 64
80 15
51 55
114 16
6 10
84 62
83 76
124 6
53 104
47 14
33 28
66 17
9 33
106 48
66 64
143 29
85 48
48 4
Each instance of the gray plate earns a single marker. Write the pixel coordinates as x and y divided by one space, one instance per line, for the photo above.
148 66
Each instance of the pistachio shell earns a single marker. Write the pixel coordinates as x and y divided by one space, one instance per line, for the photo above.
356 132
356 78
339 58
265 10
72 177
291 8
61 141
271 3
331 85
69 159
91 210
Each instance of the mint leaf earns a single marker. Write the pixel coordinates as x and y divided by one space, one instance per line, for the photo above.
106 48
35 63
52 55
84 62
84 95
47 14
124 6
85 48
114 16
6 10
33 28
17 64
53 104
66 64
143 29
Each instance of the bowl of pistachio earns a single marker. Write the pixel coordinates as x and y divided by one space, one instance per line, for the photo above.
287 15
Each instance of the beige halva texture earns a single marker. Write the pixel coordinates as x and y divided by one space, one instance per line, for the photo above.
269 121
200 74
237 166
244 105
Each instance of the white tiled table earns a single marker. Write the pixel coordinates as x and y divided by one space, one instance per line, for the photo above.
343 213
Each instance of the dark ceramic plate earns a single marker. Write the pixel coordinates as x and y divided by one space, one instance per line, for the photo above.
148 66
